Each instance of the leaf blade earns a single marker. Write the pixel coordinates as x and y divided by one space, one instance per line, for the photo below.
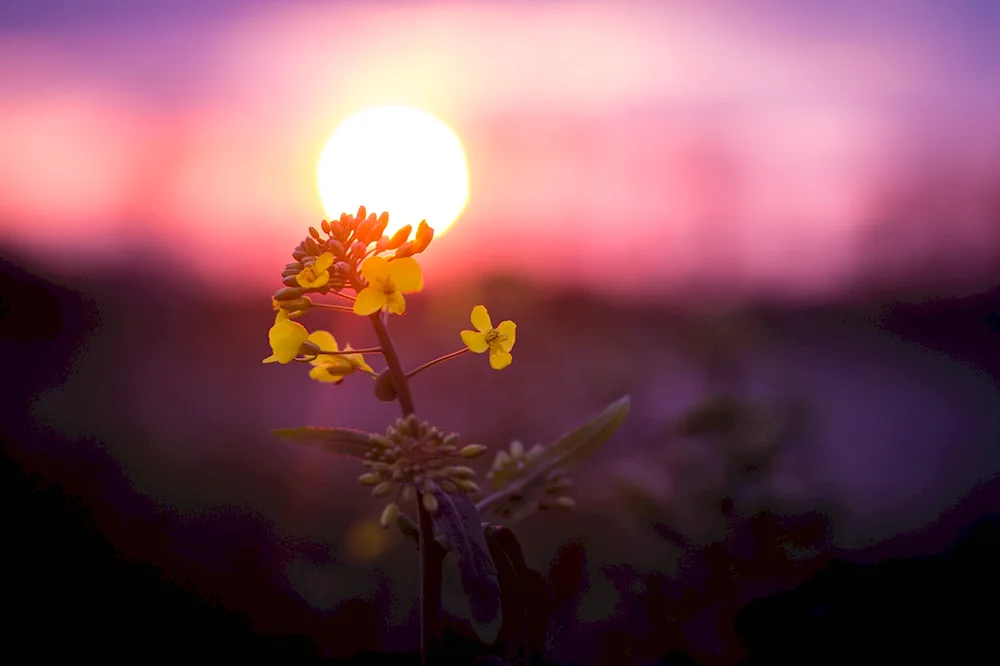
338 441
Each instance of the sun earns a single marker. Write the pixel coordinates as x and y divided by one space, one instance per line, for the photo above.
397 159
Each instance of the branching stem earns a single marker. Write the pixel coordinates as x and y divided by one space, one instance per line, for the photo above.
440 359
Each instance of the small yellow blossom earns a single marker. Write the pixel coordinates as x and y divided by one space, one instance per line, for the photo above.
316 275
387 282
286 337
330 367
499 340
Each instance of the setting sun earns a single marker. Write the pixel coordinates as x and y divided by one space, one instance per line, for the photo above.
397 159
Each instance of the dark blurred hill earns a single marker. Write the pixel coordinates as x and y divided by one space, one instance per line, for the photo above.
139 467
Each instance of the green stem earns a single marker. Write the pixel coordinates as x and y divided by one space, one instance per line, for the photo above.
344 352
338 308
395 367
440 359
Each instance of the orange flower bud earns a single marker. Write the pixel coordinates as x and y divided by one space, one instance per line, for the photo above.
400 237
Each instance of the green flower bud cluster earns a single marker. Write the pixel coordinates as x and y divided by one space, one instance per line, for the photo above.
414 459
510 469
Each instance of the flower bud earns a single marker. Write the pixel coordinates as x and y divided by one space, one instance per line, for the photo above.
362 214
389 514
409 492
325 226
517 449
448 486
467 485
400 237
309 349
337 248
381 441
424 235
288 294
336 229
299 304
379 227
382 489
289 281
407 249
385 390
296 265
369 479
314 232
566 502
299 253
291 271
312 247
460 471
430 502
471 450
450 439
358 250
382 244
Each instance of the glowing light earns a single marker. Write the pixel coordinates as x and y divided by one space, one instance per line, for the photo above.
397 159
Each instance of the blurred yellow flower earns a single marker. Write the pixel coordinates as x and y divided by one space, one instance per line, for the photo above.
499 340
387 282
333 368
285 337
315 275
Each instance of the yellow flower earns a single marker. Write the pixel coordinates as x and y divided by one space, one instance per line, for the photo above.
315 275
333 368
499 340
286 337
387 282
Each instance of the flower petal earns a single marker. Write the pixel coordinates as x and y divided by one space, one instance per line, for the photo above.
481 319
475 341
375 269
325 341
321 373
395 302
369 300
323 262
499 359
406 275
506 330
286 337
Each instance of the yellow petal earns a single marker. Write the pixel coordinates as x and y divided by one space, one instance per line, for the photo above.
369 300
375 269
506 330
270 359
325 341
323 262
499 359
321 373
481 319
286 337
406 275
395 302
475 341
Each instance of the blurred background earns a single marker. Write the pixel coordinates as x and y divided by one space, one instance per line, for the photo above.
775 225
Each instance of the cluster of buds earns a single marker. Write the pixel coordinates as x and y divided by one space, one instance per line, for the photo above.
545 492
329 258
416 459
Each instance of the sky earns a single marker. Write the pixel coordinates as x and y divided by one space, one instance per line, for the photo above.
793 148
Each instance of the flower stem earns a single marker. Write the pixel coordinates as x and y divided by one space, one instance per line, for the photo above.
440 359
343 352
395 367
338 308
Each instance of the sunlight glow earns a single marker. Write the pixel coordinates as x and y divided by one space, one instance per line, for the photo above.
397 159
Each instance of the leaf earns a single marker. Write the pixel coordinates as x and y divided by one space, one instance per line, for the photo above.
571 448
339 441
457 527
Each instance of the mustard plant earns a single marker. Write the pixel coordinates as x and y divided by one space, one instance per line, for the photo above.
414 466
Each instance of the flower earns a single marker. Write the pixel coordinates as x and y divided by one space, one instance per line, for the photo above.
499 340
315 275
286 338
387 282
333 368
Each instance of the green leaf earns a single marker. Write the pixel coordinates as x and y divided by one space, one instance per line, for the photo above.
571 448
458 528
339 441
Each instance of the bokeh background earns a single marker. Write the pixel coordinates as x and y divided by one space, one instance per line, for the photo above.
775 225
